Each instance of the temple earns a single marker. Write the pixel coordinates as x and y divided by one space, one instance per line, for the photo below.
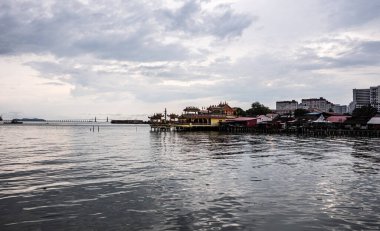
194 118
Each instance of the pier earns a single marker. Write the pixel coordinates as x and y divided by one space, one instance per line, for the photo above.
306 132
256 130
71 121
165 127
161 127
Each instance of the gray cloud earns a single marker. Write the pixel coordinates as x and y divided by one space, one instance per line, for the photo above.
120 30
223 22
266 78
53 84
71 29
356 53
343 14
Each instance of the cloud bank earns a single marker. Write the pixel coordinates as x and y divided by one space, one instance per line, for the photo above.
90 57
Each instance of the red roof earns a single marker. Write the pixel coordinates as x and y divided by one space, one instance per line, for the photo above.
337 119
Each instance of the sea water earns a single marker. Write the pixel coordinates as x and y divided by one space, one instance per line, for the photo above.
125 177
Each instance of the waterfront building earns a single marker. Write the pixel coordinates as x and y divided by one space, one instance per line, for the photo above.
221 109
156 118
286 107
263 119
272 115
247 122
321 119
337 119
365 97
191 110
201 119
173 118
211 116
317 104
374 123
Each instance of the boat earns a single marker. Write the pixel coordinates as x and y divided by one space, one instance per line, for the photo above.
1 120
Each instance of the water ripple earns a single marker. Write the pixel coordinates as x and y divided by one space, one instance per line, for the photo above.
123 178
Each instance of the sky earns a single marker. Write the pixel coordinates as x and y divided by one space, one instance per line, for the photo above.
129 59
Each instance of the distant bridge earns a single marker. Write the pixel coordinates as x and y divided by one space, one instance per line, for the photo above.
75 121
61 121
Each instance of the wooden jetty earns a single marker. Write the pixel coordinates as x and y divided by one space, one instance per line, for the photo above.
169 127
306 132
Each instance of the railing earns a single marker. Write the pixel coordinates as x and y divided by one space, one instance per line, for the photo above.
204 116
195 124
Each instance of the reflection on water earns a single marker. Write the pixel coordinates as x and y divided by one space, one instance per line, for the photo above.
127 178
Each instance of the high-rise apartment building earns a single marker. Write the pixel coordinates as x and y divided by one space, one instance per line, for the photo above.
361 97
374 97
365 97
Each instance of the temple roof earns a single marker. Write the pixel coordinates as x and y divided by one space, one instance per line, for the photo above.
191 109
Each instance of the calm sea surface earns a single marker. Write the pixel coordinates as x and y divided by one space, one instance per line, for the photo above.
128 178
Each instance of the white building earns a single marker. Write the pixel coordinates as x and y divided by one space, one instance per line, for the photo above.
317 104
303 106
286 107
263 119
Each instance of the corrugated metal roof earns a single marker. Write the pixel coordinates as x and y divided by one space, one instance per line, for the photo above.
374 120
242 119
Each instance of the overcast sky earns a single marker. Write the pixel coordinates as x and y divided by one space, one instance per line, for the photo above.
128 59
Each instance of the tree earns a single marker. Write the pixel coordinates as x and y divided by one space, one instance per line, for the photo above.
365 111
258 109
300 112
240 112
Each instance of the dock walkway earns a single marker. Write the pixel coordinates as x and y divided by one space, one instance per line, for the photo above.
299 131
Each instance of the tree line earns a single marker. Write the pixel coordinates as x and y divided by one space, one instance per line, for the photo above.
256 109
259 109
